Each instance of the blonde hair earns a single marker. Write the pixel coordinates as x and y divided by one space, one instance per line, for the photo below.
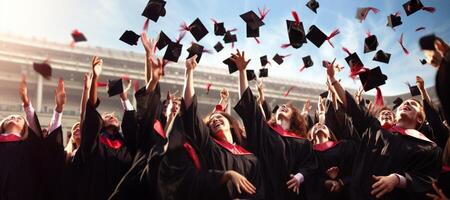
23 133
71 145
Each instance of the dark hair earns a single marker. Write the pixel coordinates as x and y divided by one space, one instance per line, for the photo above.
235 128
332 135
298 122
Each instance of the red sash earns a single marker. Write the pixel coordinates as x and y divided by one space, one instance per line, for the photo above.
191 152
325 146
234 149
277 128
157 126
409 132
445 168
9 137
113 144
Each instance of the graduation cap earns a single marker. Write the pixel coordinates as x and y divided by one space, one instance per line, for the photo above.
372 78
423 61
197 29
250 74
316 36
275 109
361 13
394 20
353 59
382 56
130 37
263 72
44 69
296 33
397 103
77 37
414 90
307 62
313 5
195 49
263 60
252 19
163 41
231 65
219 28
278 59
154 10
115 87
218 47
413 6
252 32
173 52
324 94
427 42
370 43
229 37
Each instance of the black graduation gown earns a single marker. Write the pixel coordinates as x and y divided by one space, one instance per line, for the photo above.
279 154
102 162
442 83
20 168
53 163
382 152
440 132
222 155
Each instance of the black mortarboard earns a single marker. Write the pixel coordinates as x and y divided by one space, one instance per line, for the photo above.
397 103
367 101
275 109
198 30
195 49
370 43
382 56
313 5
316 36
414 90
372 78
263 72
324 94
231 65
173 52
78 36
115 87
250 74
229 37
252 19
154 10
130 37
427 42
278 59
307 62
296 33
219 29
263 60
218 47
394 20
43 69
423 61
252 32
412 6
163 41
354 60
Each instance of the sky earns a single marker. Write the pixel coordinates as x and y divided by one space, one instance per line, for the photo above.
104 21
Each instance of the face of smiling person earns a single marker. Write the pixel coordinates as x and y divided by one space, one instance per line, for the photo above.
13 123
110 120
319 130
76 133
284 112
218 122
386 117
410 109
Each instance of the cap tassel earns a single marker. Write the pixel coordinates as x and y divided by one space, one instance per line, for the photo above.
429 9
346 50
214 21
180 37
184 27
263 13
257 40
379 102
355 70
303 68
296 17
332 34
288 91
284 46
420 28
102 84
364 15
145 28
368 33
208 87
374 10
401 44
208 51
397 14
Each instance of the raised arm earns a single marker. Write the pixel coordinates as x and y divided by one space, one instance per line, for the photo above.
224 96
30 115
241 64
149 45
189 90
60 101
423 92
129 123
97 63
340 92
87 80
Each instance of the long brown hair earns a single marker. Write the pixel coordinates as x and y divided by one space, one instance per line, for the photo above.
235 128
23 133
298 122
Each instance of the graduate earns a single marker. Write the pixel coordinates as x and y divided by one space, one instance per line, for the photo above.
391 163
287 157
220 140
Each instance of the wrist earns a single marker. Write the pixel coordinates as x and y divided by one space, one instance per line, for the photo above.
59 108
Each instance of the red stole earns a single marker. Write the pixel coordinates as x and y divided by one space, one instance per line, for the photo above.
157 126
408 132
325 146
445 169
113 144
277 128
9 137
193 155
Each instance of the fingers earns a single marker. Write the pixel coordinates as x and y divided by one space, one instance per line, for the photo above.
432 196
292 182
238 53
383 192
248 187
238 188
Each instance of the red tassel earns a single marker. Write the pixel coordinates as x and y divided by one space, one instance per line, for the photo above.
126 77
232 30
232 45
374 10
303 68
429 9
180 37
288 91
401 44
214 21
263 13
379 102
184 27
285 55
368 33
346 50
364 15
257 41
296 18
284 46
355 70
208 88
332 34
397 14
420 28
102 84
145 28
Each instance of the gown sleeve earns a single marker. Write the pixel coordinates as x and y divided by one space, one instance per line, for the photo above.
362 118
440 132
92 124
267 110
442 83
129 129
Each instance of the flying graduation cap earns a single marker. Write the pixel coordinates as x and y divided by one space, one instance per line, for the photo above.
115 87
372 78
279 59
382 56
219 28
195 49
163 41
263 72
250 74
313 5
370 43
413 6
254 22
77 36
361 13
154 10
130 37
197 29
231 65
307 62
354 62
44 69
394 20
317 37
296 32
218 47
